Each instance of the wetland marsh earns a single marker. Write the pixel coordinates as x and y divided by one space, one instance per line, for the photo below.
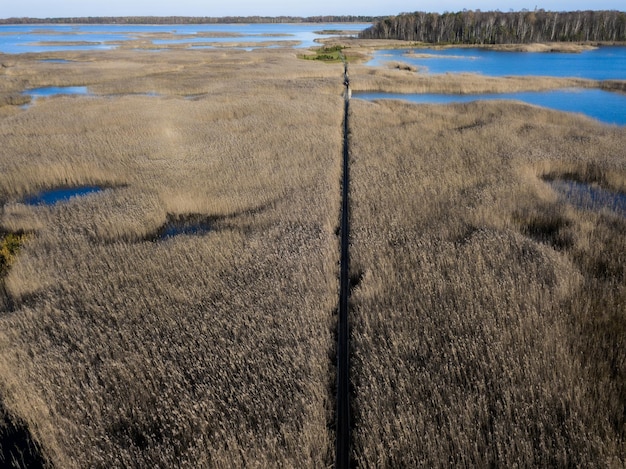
188 316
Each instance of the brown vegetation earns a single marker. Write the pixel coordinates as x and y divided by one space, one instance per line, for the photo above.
487 312
361 49
197 350
614 85
545 47
397 78
488 324
13 99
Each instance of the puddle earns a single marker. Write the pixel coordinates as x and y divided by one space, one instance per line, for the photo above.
589 196
190 225
54 196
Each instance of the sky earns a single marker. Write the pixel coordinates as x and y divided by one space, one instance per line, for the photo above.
73 8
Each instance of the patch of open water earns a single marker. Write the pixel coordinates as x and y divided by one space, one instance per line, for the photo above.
56 90
53 196
48 91
590 196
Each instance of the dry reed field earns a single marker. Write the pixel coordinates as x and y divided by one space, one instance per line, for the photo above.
488 319
487 311
121 349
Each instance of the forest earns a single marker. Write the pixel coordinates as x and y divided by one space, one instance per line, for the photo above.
495 27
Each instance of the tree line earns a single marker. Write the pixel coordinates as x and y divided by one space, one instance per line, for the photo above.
495 27
190 19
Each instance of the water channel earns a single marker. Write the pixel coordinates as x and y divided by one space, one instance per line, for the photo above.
604 106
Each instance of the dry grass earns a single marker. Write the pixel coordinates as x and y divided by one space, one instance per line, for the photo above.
401 78
196 351
488 325
488 321
173 72
569 47
614 85
368 44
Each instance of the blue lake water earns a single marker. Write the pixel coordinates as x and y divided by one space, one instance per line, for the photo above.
54 196
604 106
15 39
604 63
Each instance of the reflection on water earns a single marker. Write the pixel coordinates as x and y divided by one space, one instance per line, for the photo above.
54 196
604 106
56 90
589 196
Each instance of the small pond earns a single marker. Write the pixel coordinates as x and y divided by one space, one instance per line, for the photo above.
605 106
53 196
590 196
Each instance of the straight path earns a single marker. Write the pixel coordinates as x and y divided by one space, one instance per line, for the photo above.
343 363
